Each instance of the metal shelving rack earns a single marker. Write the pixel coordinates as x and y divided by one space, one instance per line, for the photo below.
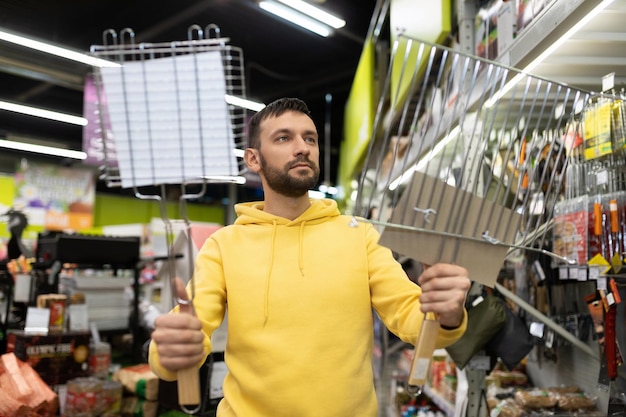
557 18
534 98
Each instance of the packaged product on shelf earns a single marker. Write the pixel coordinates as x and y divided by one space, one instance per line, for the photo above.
510 378
84 397
448 390
507 408
564 389
138 407
112 392
575 401
99 359
438 370
23 391
57 358
535 399
139 380
56 303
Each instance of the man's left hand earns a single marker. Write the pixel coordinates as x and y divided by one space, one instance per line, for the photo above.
444 288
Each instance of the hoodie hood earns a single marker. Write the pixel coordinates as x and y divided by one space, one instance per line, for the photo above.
252 214
318 212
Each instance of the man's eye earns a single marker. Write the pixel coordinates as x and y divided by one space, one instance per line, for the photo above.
311 140
281 138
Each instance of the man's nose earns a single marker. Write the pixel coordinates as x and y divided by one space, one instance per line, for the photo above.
302 147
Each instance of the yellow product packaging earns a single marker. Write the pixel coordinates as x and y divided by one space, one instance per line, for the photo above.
597 128
618 125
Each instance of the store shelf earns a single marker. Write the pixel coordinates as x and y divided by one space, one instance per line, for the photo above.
440 401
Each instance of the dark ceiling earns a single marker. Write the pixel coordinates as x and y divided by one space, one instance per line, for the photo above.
280 59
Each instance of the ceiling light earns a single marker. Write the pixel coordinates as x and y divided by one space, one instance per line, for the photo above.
295 17
46 114
315 12
55 50
242 102
41 149
547 52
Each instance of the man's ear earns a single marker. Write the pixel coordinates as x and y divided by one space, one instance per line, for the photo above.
251 156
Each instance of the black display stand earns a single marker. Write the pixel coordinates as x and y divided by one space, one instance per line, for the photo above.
6 287
90 251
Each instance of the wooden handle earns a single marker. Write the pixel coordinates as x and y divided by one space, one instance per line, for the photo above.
189 387
424 352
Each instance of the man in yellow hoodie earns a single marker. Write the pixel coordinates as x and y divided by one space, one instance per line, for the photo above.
300 281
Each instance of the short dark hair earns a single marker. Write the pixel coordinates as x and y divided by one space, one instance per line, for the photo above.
274 109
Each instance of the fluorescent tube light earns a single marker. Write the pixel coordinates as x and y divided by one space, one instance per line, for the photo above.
226 178
316 195
41 149
55 50
547 52
46 114
295 17
242 102
315 12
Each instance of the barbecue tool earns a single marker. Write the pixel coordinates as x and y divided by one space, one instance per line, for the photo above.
166 128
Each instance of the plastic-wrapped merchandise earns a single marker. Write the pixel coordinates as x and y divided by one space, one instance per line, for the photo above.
99 359
575 401
112 393
564 389
84 397
507 408
535 399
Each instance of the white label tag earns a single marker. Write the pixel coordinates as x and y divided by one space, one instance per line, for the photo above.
536 329
37 320
21 292
594 272
421 368
539 269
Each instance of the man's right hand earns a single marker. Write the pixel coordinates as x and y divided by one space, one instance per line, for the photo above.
178 337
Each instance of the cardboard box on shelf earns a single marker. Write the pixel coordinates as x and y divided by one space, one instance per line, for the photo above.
57 358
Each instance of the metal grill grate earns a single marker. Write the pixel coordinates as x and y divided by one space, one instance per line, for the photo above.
468 153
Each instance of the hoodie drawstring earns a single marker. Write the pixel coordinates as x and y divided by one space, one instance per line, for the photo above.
266 306
301 249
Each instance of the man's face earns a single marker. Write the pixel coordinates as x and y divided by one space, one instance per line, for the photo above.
289 154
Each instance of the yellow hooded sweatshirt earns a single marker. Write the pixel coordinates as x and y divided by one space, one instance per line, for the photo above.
300 295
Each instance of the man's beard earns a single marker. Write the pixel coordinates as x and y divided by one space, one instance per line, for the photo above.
288 185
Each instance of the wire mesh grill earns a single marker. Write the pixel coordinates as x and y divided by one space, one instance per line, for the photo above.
163 109
469 153
164 118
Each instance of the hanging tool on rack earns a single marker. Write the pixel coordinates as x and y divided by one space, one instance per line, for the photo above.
165 121
450 196
613 355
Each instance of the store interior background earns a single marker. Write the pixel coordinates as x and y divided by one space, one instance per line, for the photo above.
280 60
